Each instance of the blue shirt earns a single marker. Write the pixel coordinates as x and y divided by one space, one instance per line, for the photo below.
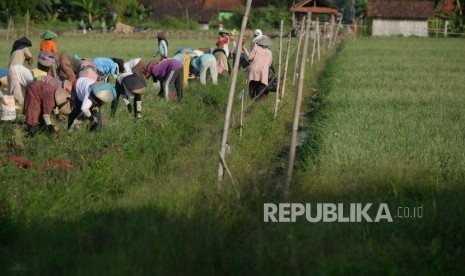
106 65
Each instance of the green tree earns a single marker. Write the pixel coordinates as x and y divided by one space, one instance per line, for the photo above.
91 7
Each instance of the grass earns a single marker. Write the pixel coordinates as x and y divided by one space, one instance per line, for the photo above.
142 197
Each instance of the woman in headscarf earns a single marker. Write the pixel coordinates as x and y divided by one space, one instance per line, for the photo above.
47 44
107 66
19 76
261 60
40 102
64 68
200 66
223 41
170 74
20 52
129 86
87 98
162 46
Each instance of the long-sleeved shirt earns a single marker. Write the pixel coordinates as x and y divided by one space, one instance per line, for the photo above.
261 60
163 69
48 45
19 56
199 62
162 49
64 68
83 90
105 65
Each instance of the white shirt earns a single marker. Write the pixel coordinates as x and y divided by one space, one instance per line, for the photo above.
130 64
83 90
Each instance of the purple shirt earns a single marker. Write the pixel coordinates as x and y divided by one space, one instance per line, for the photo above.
163 69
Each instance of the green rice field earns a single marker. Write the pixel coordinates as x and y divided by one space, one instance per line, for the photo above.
383 124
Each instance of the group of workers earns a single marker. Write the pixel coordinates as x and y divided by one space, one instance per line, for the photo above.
78 87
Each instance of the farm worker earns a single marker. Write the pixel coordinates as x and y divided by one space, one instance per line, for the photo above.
64 68
129 86
42 95
47 44
87 98
107 66
19 77
186 60
170 73
201 64
162 46
20 52
136 66
261 60
87 69
223 41
244 52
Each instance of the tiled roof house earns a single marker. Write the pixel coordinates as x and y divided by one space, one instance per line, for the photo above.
400 17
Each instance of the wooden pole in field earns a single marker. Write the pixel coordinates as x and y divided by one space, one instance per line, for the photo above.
10 21
298 103
276 104
286 63
27 23
242 113
318 36
227 116
313 47
337 31
298 50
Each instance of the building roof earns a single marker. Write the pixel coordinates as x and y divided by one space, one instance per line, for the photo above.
401 9
315 6
221 5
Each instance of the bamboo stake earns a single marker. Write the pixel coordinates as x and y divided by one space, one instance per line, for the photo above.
313 48
318 33
9 28
298 50
337 31
279 69
27 23
223 162
286 63
227 116
242 113
298 103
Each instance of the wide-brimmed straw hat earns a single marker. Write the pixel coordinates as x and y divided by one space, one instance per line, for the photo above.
4 81
48 35
63 97
197 53
134 84
37 73
104 91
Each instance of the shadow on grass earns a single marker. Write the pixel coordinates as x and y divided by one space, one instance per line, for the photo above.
233 239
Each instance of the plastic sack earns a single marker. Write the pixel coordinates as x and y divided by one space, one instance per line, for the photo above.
8 108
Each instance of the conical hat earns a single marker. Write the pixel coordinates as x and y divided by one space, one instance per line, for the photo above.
104 91
48 35
62 100
38 73
4 81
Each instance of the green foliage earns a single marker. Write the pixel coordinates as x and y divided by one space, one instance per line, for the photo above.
266 18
